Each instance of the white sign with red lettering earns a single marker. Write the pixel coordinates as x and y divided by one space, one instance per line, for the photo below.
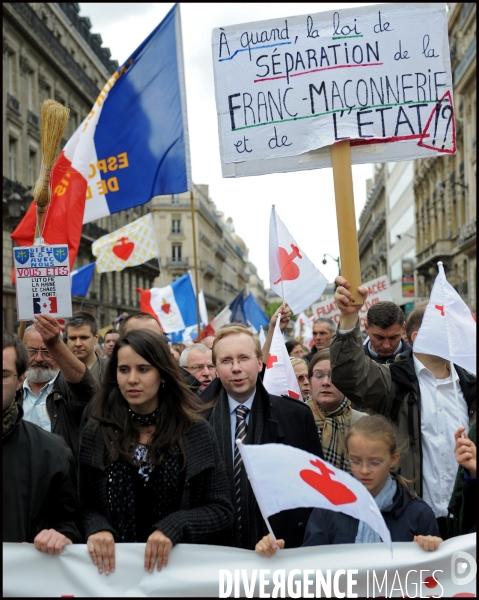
379 291
42 276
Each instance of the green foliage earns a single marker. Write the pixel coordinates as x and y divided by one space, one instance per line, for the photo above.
272 307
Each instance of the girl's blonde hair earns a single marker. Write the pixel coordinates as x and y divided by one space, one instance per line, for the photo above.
381 428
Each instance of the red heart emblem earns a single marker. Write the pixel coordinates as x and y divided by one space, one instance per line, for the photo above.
165 307
124 248
289 269
332 490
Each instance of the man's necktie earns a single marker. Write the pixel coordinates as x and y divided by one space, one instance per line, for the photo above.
240 434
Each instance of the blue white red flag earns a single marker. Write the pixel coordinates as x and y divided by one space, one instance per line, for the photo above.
254 313
81 279
174 305
133 144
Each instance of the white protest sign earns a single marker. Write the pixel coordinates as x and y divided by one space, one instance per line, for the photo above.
42 275
286 89
379 291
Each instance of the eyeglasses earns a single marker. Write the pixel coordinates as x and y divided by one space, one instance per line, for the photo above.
371 465
198 368
35 351
320 375
242 360
8 377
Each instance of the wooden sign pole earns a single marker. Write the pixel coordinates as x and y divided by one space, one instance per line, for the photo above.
348 237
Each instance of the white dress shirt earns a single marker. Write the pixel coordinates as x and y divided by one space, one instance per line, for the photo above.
34 407
233 404
441 416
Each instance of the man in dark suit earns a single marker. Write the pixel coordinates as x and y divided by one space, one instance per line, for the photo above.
242 408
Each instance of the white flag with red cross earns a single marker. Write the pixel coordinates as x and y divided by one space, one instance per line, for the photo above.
448 327
291 274
283 477
303 328
279 377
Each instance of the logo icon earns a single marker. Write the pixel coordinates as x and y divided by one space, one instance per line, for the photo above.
21 256
459 563
60 254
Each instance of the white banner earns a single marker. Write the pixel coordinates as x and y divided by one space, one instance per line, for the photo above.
379 291
288 88
194 570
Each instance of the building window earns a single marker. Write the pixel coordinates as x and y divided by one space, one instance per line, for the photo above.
396 271
402 226
31 91
405 179
175 199
32 167
176 226
12 158
10 68
176 253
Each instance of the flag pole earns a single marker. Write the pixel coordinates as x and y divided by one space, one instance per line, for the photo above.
257 493
347 235
277 244
196 265
440 267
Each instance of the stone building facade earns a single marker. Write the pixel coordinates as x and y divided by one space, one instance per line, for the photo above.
223 266
445 187
50 52
372 234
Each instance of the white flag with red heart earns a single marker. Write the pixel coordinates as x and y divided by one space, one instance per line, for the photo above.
291 274
448 328
131 245
279 377
283 477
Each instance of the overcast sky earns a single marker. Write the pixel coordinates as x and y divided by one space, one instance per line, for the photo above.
304 200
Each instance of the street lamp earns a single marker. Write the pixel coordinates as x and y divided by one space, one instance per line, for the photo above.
336 260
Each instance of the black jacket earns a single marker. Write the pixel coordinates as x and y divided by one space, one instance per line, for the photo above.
384 360
38 484
404 518
205 508
65 405
287 422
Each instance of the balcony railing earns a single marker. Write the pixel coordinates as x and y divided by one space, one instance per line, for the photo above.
467 232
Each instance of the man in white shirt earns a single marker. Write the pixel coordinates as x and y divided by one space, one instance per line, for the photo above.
416 392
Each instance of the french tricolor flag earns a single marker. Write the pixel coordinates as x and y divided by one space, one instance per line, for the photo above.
133 144
174 305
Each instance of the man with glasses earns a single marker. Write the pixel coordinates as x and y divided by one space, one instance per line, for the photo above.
197 360
58 385
39 498
244 410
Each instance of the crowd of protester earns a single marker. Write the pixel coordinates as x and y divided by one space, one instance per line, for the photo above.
134 439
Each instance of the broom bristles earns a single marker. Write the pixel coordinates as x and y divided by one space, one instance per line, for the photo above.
54 122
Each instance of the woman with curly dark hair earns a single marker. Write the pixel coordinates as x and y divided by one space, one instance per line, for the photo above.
149 466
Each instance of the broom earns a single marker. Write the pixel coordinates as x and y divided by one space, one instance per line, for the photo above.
54 122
